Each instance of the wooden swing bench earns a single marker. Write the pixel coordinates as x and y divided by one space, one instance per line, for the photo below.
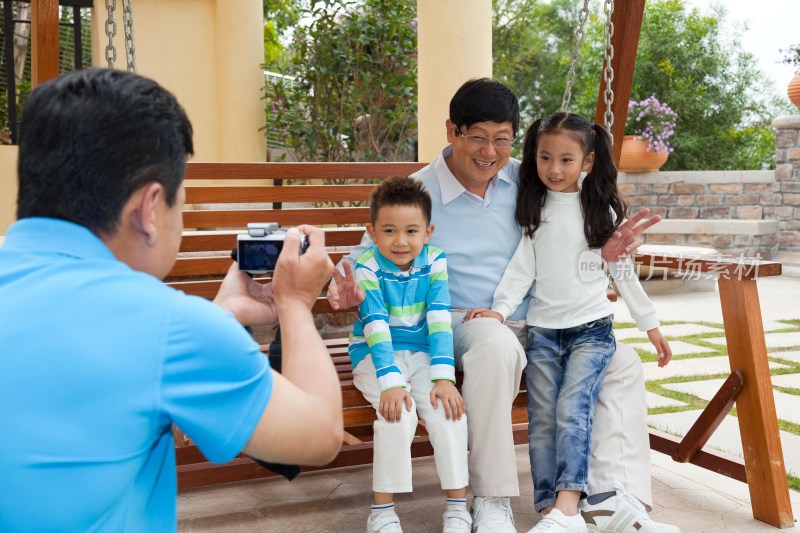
222 198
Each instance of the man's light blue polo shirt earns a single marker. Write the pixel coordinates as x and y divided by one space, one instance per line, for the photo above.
97 362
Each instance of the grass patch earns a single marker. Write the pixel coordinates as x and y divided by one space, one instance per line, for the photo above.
787 390
789 427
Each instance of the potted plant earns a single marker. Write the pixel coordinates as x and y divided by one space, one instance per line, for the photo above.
648 128
791 56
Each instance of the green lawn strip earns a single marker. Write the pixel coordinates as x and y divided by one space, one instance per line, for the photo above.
629 325
787 390
776 354
794 483
792 321
789 427
792 368
696 339
692 402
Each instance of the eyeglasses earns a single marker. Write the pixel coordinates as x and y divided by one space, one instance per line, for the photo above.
479 141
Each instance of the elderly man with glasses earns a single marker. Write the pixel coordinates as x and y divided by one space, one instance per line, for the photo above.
473 185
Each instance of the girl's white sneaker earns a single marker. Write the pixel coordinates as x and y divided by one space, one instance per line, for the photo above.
557 522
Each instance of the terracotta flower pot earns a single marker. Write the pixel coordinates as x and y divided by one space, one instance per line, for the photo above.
793 90
636 158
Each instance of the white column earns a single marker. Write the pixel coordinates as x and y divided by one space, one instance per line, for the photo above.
455 45
240 79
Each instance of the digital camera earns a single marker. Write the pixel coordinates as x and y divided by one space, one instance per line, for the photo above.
257 251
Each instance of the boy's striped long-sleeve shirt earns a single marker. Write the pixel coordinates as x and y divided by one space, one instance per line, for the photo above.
403 311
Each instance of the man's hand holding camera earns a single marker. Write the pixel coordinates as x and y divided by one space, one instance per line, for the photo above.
297 278
301 277
252 303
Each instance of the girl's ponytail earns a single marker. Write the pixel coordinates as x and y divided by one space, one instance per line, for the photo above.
600 195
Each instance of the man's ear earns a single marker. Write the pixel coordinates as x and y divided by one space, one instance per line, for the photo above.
145 211
451 130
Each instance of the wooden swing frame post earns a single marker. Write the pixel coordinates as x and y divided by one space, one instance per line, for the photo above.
44 41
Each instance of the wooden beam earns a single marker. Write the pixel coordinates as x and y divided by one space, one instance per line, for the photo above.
710 459
627 20
710 419
755 405
44 39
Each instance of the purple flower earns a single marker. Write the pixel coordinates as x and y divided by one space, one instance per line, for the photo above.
652 121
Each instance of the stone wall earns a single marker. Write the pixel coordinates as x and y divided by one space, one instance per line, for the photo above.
725 210
787 182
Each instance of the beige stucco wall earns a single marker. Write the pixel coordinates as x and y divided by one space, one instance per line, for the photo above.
455 45
207 52
8 187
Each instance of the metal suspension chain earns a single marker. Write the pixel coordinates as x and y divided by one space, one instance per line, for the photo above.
111 32
130 44
579 34
608 71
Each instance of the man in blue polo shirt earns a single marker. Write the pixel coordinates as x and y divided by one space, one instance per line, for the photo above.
98 358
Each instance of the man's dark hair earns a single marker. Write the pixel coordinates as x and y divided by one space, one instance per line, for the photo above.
91 138
484 100
400 190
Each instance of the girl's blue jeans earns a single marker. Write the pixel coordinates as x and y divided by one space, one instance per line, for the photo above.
564 374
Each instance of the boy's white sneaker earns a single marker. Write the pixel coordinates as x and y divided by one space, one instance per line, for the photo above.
622 513
385 522
457 521
557 522
492 515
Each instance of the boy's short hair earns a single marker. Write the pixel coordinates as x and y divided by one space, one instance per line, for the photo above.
400 190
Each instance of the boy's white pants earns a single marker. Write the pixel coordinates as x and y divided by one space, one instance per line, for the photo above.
391 462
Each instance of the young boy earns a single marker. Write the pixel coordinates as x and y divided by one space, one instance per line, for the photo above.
402 353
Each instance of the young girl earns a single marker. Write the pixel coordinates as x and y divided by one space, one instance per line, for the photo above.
570 340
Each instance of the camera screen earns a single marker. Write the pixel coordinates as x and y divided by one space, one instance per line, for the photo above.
258 255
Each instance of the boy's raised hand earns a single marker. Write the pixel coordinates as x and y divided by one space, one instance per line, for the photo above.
391 404
661 345
344 293
482 312
452 401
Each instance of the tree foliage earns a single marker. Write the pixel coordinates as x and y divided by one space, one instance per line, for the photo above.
354 91
279 17
532 41
723 102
